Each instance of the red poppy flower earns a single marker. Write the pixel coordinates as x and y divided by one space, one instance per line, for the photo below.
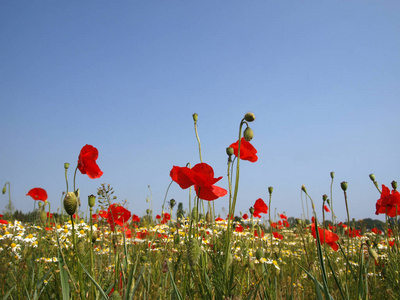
277 235
274 225
256 233
49 215
389 203
103 214
87 162
135 218
260 207
158 217
376 231
353 233
38 194
3 222
330 237
245 217
326 208
166 218
247 151
286 223
202 177
219 219
117 215
239 228
283 217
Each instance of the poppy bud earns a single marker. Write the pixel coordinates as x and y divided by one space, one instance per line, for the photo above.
248 134
94 237
92 200
230 258
229 151
177 239
303 188
327 200
372 177
270 189
43 216
4 190
172 203
324 197
194 213
394 185
81 248
343 185
115 296
259 253
251 210
195 117
143 258
66 166
193 252
70 203
373 253
249 117
148 211
332 175
208 217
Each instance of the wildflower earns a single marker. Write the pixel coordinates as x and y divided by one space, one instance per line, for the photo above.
277 235
330 237
389 203
376 231
87 162
116 214
166 218
326 208
135 218
38 194
202 177
283 217
247 150
260 207
245 217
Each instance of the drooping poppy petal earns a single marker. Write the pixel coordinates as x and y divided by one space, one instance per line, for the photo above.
210 193
247 150
326 208
330 237
38 194
3 222
87 162
277 235
260 207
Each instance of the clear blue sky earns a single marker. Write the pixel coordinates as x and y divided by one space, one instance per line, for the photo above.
322 78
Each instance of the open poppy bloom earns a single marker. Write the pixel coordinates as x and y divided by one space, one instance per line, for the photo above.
115 215
330 237
245 217
38 194
166 218
277 235
389 203
135 218
247 150
87 162
260 207
202 177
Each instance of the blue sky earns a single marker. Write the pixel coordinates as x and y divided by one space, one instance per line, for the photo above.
322 79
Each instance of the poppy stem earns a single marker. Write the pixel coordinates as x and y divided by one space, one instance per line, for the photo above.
195 117
74 177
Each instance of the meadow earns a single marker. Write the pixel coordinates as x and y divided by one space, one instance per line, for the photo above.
195 253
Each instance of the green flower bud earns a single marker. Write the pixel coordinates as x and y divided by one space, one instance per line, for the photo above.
303 188
373 253
70 203
259 253
270 189
194 213
66 166
394 185
43 216
208 217
172 203
177 239
372 176
143 258
4 189
343 185
251 210
249 117
94 237
115 296
324 197
332 175
195 117
229 151
248 134
92 200
81 248
193 252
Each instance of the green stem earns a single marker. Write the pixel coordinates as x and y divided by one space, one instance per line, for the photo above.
333 214
198 139
74 178
80 277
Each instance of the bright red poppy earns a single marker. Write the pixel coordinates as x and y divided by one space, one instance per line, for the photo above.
256 233
353 233
326 208
38 194
87 162
166 218
202 177
3 222
239 228
245 217
260 207
283 217
330 237
277 235
286 223
49 215
376 231
135 218
389 203
247 150
116 215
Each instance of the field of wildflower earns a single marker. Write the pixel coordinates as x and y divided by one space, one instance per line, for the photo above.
114 254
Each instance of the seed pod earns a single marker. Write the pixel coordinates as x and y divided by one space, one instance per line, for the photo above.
177 239
43 216
81 248
229 151
249 117
248 134
208 217
92 200
194 213
259 253
94 237
70 203
343 185
193 252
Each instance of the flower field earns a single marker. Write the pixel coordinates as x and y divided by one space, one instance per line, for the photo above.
197 254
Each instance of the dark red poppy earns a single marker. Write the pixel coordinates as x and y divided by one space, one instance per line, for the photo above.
166 218
353 233
260 207
87 162
389 203
117 215
330 237
247 151
245 217
95 217
277 235
239 228
38 194
326 208
202 177
376 231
